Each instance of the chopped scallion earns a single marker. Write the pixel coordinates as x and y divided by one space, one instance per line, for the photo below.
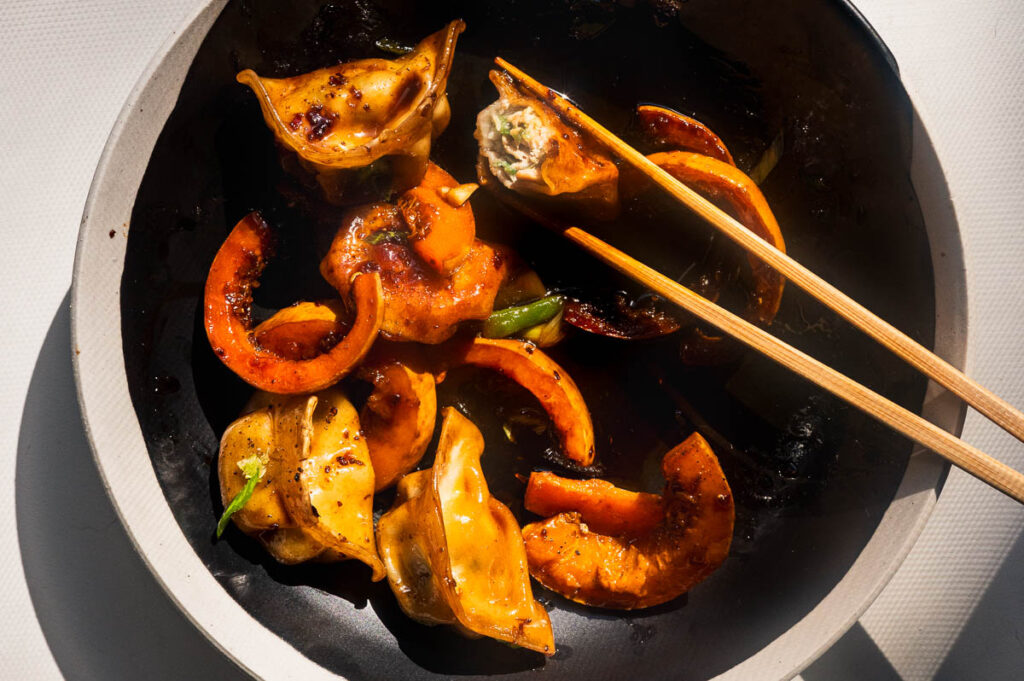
508 168
253 468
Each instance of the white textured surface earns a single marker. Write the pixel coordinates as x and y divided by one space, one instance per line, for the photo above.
963 64
65 69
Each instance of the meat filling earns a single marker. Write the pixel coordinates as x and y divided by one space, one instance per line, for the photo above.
515 142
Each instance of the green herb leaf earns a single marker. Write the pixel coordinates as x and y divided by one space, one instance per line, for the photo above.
253 468
504 127
385 236
505 130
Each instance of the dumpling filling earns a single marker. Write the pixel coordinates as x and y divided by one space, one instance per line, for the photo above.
527 148
515 142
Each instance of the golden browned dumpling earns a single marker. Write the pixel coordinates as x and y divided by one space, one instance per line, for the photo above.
530 150
315 498
454 554
383 112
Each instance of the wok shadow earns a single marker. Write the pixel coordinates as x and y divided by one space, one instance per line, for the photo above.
442 650
101 611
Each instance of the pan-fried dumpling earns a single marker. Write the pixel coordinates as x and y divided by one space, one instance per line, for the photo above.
454 554
327 480
357 122
529 149
315 499
402 540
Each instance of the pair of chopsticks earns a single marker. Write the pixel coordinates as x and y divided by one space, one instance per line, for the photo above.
958 452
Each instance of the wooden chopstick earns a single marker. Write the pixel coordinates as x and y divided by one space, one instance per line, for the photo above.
988 403
999 411
972 460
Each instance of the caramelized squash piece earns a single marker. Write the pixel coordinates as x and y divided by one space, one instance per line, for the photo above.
529 149
668 129
531 368
447 542
608 509
700 159
725 185
399 415
228 317
591 553
420 304
302 331
346 117
442 229
327 480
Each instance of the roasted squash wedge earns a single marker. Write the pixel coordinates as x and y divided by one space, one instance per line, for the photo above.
601 548
228 319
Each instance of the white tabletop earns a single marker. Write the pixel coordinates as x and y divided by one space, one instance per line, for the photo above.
77 603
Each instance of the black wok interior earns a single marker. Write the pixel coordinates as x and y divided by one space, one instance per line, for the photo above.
811 477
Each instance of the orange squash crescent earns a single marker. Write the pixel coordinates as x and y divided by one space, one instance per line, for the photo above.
228 299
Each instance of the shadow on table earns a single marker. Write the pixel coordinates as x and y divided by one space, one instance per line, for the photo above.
102 612
854 657
990 647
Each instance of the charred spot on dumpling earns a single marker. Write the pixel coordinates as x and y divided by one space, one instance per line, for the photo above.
320 122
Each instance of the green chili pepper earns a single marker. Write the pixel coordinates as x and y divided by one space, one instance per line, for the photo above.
253 468
512 320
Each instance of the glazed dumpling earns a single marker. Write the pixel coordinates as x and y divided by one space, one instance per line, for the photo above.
315 499
328 480
340 120
454 554
530 150
403 543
